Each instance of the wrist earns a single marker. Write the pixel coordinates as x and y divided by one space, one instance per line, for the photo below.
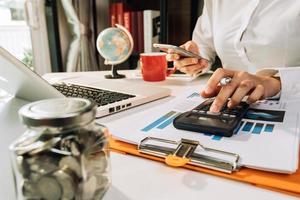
272 86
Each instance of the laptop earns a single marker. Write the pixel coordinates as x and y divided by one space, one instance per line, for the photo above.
111 96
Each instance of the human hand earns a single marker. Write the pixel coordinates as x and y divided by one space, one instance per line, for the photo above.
242 84
187 65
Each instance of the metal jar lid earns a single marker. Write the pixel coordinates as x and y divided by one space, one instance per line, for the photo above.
58 112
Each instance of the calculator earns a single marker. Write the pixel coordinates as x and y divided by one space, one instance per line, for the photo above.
200 119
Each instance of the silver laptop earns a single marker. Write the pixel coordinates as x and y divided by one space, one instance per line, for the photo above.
110 95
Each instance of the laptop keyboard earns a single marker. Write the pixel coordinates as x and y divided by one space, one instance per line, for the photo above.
100 96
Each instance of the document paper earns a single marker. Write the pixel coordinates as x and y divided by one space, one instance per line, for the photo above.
268 138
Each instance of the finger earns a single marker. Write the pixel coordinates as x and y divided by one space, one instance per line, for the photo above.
203 62
205 95
257 94
172 57
164 49
189 69
185 62
222 97
213 82
242 90
183 70
198 71
191 46
193 68
170 51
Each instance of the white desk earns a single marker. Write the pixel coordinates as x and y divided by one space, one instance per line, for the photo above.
135 178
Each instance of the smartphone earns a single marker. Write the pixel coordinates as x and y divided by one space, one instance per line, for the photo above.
178 50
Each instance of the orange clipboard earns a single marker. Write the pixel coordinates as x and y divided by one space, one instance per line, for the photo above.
285 183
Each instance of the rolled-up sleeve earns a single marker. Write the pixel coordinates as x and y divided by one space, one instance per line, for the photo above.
203 35
290 83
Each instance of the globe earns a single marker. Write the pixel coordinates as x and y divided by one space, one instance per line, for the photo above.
115 45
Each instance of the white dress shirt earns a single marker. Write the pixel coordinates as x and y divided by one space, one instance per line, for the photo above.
253 36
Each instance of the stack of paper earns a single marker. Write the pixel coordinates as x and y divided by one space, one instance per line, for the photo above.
268 138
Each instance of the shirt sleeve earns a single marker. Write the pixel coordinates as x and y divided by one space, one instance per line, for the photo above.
202 34
290 81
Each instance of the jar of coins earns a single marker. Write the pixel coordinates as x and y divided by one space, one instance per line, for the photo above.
63 154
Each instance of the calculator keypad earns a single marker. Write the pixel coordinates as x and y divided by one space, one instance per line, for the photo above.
200 119
225 113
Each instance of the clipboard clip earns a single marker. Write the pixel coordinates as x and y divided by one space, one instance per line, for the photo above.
177 154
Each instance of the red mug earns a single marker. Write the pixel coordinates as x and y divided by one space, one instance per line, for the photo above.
154 66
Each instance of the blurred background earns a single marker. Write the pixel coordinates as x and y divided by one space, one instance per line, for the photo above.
60 35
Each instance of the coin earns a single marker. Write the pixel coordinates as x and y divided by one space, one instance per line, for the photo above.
71 163
34 177
75 148
43 163
89 188
67 181
39 146
62 152
29 190
49 188
65 143
19 146
22 166
96 163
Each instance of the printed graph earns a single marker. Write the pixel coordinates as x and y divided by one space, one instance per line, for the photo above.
162 122
248 127
195 94
257 128
265 115
263 125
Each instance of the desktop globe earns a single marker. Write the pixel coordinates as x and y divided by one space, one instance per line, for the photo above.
115 45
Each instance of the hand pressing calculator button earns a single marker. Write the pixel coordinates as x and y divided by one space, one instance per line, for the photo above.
200 119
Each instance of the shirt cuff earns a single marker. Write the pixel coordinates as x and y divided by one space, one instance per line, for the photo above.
290 84
289 78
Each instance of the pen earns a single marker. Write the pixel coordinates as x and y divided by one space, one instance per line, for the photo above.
224 81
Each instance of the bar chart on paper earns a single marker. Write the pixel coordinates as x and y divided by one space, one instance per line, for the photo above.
262 121
162 122
195 94
271 123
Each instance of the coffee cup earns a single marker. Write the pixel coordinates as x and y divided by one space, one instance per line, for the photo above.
154 66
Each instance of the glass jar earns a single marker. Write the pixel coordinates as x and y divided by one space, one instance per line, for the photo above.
63 154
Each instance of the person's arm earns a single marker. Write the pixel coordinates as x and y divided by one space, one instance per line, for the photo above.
202 44
203 33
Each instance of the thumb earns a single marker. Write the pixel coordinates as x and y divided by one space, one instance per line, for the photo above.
191 46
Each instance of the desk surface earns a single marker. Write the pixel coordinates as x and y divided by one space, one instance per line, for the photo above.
135 178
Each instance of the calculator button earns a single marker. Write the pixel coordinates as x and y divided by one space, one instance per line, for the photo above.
213 113
226 111
202 111
203 118
232 116
225 115
234 112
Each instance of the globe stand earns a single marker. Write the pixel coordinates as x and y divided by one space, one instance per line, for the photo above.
115 74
